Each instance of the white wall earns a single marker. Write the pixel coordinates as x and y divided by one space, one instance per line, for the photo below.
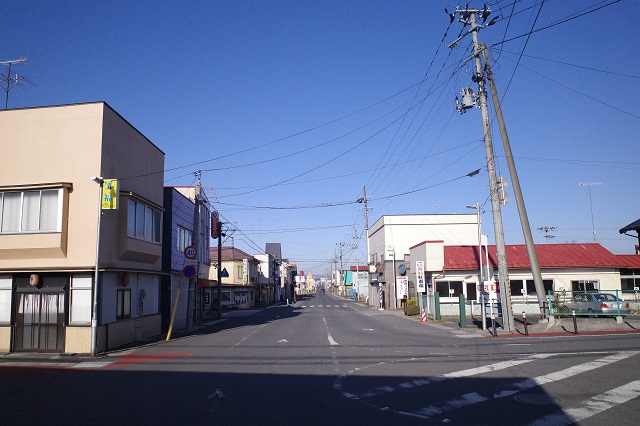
404 231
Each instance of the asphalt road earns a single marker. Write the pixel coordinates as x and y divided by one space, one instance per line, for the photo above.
330 361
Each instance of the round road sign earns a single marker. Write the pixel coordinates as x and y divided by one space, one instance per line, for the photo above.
189 271
190 252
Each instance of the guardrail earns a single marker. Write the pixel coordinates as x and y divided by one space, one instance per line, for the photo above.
594 303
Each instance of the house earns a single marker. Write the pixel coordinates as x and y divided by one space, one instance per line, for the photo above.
453 270
177 235
240 287
81 205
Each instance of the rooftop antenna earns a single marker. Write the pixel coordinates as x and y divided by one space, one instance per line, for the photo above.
11 81
589 185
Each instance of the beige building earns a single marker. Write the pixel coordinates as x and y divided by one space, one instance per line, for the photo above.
239 288
49 215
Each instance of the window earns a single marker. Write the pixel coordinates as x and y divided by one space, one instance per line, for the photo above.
449 288
184 238
30 211
80 312
123 308
143 222
584 285
239 272
5 299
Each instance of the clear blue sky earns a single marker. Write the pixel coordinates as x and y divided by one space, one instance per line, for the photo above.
302 103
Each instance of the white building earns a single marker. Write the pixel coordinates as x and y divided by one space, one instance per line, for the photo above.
390 240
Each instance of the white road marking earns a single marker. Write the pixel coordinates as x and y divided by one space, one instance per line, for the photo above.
453 375
515 387
283 341
592 406
331 341
92 364
217 393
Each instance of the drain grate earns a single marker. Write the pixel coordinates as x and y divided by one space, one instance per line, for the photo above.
536 399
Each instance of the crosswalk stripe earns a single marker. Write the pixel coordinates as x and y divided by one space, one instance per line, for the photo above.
453 375
515 387
592 406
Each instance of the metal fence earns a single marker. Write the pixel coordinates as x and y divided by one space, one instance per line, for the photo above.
594 303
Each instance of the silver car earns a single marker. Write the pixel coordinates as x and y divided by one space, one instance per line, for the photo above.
598 304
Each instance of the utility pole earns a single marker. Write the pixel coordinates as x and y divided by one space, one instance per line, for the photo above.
546 230
195 241
589 185
340 276
219 235
517 192
363 200
11 82
468 17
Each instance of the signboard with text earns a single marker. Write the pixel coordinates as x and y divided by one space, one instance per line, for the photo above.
110 194
402 287
420 276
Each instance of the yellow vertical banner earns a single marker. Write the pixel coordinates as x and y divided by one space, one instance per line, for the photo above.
110 194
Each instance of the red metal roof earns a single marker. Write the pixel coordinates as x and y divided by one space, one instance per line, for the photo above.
630 260
363 268
589 255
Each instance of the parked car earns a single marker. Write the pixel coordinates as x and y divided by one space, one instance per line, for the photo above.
597 304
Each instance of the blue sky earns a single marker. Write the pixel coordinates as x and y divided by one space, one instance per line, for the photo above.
290 108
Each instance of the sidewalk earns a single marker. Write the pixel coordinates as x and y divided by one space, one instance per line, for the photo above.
104 359
555 326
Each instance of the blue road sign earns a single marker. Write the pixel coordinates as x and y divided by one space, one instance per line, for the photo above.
189 271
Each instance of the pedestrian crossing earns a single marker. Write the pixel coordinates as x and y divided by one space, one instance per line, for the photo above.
571 391
323 306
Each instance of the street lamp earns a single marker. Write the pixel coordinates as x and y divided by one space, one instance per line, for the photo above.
94 311
477 208
480 276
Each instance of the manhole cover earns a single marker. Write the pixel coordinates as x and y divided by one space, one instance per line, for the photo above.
536 399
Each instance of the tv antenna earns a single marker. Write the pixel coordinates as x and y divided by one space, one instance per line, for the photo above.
589 185
12 81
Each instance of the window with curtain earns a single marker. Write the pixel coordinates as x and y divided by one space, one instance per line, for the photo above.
30 211
80 312
5 299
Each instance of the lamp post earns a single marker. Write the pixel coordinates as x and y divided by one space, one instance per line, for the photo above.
94 311
477 208
480 275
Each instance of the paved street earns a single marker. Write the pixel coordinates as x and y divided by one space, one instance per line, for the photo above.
330 361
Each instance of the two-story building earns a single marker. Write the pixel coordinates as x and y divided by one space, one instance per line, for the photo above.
239 287
178 234
81 208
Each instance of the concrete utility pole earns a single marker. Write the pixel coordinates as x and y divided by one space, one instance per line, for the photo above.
517 192
468 17
195 241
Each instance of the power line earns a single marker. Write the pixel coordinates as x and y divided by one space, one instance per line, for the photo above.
563 21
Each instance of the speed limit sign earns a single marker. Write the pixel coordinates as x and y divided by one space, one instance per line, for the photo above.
190 252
